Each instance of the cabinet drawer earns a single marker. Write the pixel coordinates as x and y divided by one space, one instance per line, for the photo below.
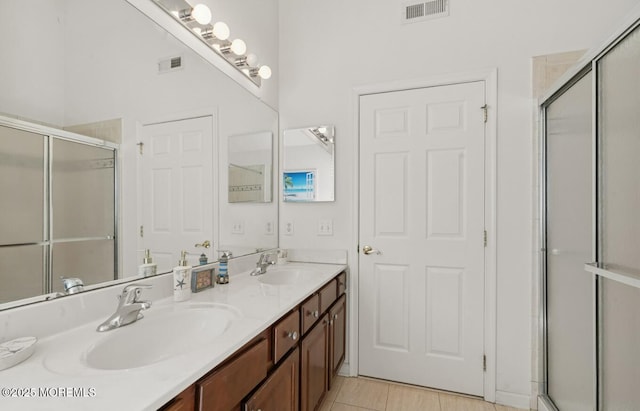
286 335
342 283
328 295
185 401
310 312
226 387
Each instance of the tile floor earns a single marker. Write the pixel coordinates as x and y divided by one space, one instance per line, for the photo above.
364 394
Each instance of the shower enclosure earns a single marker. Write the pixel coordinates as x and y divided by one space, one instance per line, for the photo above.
57 211
590 233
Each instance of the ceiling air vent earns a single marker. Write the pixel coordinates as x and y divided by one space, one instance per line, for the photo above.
414 12
170 64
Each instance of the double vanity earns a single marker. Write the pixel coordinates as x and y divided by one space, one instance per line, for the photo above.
273 341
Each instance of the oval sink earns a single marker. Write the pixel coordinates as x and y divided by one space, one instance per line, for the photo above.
159 337
286 276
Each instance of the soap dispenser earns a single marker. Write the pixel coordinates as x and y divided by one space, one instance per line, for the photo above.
148 267
182 279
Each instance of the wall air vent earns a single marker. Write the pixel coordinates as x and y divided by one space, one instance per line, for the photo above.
170 64
414 12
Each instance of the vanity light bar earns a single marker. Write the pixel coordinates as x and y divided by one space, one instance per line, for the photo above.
198 20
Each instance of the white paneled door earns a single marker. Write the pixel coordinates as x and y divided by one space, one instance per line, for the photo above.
177 203
421 295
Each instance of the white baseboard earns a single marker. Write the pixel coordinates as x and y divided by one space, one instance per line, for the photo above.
513 400
543 406
345 370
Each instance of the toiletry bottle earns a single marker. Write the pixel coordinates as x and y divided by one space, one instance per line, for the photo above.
148 267
223 267
203 259
182 279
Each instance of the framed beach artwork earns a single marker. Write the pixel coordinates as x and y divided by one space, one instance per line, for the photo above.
299 185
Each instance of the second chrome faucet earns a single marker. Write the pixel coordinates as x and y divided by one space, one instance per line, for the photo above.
264 261
128 309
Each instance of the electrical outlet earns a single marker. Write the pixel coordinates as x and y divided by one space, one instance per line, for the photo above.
268 228
238 227
325 227
288 227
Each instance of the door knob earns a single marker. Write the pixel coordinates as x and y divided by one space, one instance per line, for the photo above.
205 244
368 250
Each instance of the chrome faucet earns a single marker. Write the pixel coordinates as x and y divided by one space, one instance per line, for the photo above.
129 308
263 262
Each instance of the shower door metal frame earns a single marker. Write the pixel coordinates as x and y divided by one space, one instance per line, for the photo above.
589 63
49 134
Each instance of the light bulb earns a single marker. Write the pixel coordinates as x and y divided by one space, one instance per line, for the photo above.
322 130
264 72
252 59
221 30
238 47
197 30
201 14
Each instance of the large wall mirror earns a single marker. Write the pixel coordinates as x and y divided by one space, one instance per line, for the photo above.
308 164
101 71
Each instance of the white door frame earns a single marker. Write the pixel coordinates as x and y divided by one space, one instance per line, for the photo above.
215 149
490 77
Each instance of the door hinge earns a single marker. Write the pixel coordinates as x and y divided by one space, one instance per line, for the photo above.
141 231
140 147
485 108
484 363
485 238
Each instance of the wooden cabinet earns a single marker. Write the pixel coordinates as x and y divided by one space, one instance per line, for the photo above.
288 367
314 353
225 388
337 337
280 391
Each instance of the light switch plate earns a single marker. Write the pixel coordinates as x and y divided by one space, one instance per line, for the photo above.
325 227
288 227
238 227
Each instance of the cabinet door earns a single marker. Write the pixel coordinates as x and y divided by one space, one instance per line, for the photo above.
314 365
337 336
280 391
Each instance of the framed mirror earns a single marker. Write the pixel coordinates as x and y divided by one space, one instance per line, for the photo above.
308 164
109 79
250 164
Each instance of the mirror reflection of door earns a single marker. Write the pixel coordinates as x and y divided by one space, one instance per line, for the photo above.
177 203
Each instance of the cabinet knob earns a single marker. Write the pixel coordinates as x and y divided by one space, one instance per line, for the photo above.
335 316
293 335
316 314
331 322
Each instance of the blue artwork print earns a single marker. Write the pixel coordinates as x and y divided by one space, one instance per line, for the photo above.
299 185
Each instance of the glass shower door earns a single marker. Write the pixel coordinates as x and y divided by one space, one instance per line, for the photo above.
83 217
569 244
619 159
22 201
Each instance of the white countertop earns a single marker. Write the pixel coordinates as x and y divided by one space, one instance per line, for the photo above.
58 378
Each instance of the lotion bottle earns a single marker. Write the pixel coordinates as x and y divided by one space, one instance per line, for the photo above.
148 267
182 279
